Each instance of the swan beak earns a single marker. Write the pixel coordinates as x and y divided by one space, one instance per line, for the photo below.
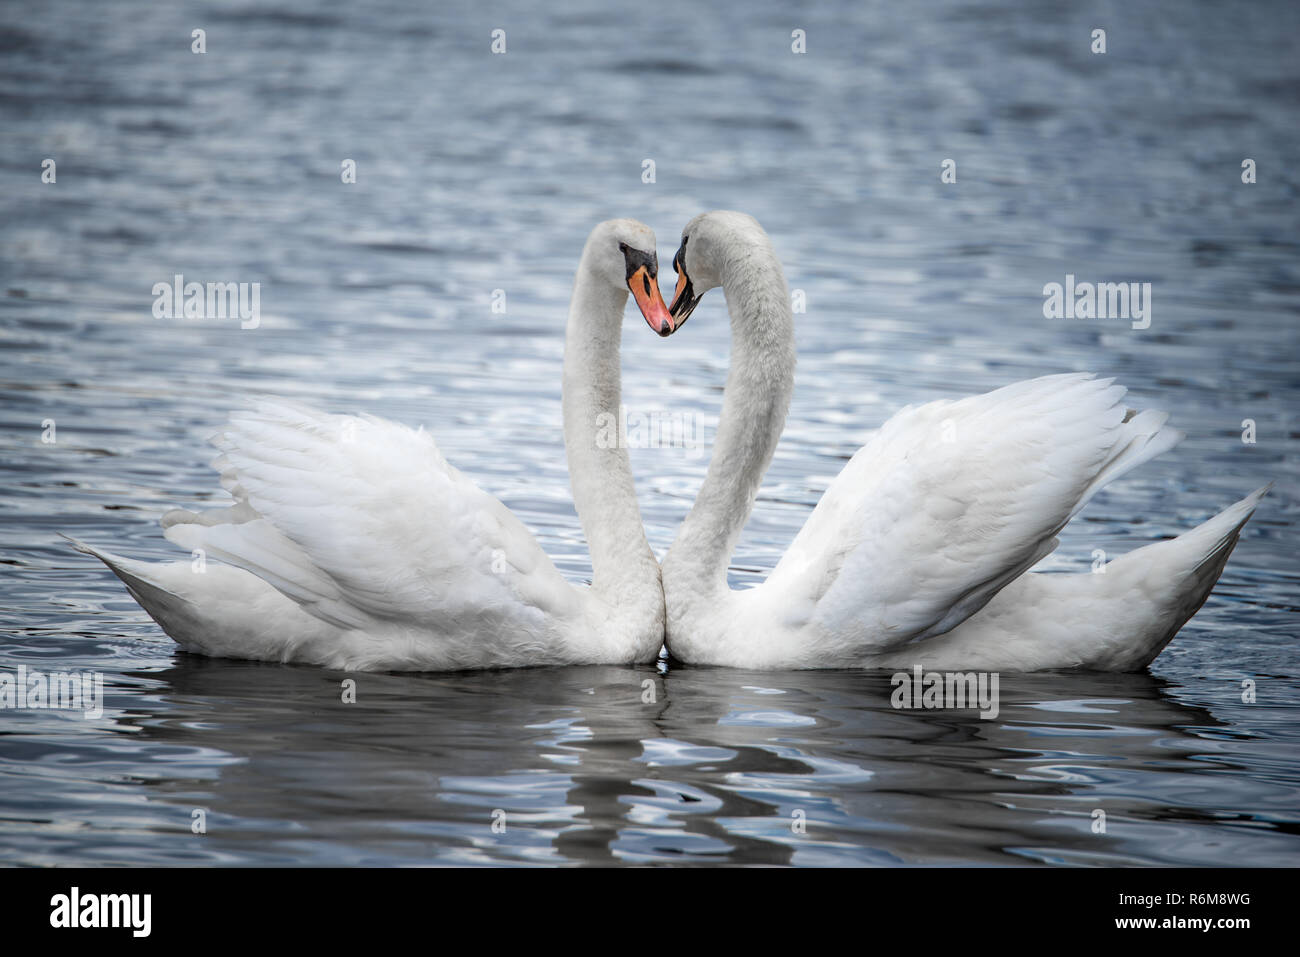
650 301
684 300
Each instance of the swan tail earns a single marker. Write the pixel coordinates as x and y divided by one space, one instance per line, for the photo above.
215 609
142 579
1146 596
1178 575
1224 529
153 586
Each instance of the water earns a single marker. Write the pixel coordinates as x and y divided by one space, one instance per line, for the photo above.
479 172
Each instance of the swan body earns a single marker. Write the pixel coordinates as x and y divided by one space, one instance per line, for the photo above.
353 544
918 551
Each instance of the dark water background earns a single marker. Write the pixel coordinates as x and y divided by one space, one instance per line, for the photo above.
478 172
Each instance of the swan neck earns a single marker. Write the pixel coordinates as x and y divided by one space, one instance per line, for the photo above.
760 383
600 472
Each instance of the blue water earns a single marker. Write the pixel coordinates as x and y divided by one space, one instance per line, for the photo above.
479 172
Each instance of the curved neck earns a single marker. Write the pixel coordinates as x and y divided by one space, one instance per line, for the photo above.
600 473
754 405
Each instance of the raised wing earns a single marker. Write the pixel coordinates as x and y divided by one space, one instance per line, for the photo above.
950 501
365 525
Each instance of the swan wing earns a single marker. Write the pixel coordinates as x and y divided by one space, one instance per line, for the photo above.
950 501
366 526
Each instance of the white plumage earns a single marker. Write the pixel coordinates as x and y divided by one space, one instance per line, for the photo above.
946 506
353 544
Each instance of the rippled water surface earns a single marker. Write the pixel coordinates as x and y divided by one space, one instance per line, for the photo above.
479 172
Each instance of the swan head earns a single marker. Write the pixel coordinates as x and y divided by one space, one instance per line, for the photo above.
713 244
623 253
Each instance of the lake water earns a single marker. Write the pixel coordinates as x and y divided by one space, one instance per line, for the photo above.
478 172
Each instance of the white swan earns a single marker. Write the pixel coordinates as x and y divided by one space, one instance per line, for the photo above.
352 544
916 553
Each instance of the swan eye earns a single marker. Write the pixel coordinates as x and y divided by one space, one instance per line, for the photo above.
636 259
678 266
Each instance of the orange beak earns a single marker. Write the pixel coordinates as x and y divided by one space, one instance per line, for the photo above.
651 303
682 283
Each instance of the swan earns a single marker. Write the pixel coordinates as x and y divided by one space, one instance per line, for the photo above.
352 544
916 553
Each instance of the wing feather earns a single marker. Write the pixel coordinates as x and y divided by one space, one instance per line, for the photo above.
363 522
950 501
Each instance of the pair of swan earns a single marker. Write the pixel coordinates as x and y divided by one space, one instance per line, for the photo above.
353 544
